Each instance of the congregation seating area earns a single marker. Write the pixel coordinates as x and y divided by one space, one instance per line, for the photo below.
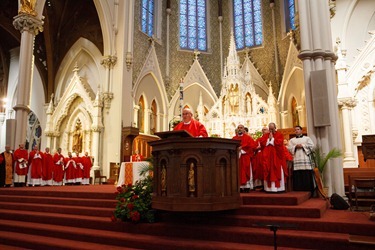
360 187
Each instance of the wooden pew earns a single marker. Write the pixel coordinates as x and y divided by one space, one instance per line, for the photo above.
359 173
351 174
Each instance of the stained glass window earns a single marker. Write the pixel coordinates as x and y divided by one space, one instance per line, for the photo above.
290 15
247 23
193 25
147 16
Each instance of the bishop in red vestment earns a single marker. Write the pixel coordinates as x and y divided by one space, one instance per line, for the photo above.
79 169
246 151
70 169
21 157
257 163
35 167
47 170
58 169
194 127
87 165
274 163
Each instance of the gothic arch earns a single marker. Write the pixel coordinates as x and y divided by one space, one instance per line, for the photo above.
85 55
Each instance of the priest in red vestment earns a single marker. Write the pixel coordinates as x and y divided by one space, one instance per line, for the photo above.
70 169
136 157
79 169
246 151
274 163
257 163
194 127
21 157
58 169
47 170
34 177
87 165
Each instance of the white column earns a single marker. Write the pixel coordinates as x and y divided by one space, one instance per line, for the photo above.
95 147
135 114
284 119
148 112
29 26
316 54
346 106
301 115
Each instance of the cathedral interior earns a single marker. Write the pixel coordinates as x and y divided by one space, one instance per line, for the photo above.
110 67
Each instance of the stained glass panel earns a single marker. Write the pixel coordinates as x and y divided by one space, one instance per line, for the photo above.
291 15
193 32
147 16
247 23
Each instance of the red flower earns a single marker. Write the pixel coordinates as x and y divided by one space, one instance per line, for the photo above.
119 189
113 218
130 206
135 197
122 199
116 193
135 216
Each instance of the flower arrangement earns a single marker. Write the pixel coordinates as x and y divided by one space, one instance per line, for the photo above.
134 201
257 134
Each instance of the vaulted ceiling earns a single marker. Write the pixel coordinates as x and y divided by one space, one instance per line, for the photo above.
65 21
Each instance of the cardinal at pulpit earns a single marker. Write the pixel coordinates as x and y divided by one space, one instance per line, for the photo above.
194 127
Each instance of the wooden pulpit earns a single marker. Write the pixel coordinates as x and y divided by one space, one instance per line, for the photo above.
195 174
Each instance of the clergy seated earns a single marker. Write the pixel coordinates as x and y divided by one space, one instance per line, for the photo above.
136 157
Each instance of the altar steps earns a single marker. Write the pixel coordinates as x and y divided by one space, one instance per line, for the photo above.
79 218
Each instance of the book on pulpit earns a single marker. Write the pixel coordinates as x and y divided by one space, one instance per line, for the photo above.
174 134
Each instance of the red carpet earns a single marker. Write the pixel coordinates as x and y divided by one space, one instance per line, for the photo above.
78 217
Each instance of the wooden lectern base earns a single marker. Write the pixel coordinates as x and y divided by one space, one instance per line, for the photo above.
195 174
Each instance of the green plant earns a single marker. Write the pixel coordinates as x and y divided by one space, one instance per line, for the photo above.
320 158
257 134
134 201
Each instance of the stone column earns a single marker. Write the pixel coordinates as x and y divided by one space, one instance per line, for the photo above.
135 110
29 26
301 115
108 62
346 106
284 119
316 54
97 126
146 126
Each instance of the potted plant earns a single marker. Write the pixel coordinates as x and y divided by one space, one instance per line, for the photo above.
320 160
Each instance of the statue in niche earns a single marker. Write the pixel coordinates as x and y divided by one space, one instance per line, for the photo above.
28 7
233 99
191 180
163 180
226 106
248 105
77 138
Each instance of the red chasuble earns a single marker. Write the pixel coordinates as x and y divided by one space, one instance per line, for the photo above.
195 128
